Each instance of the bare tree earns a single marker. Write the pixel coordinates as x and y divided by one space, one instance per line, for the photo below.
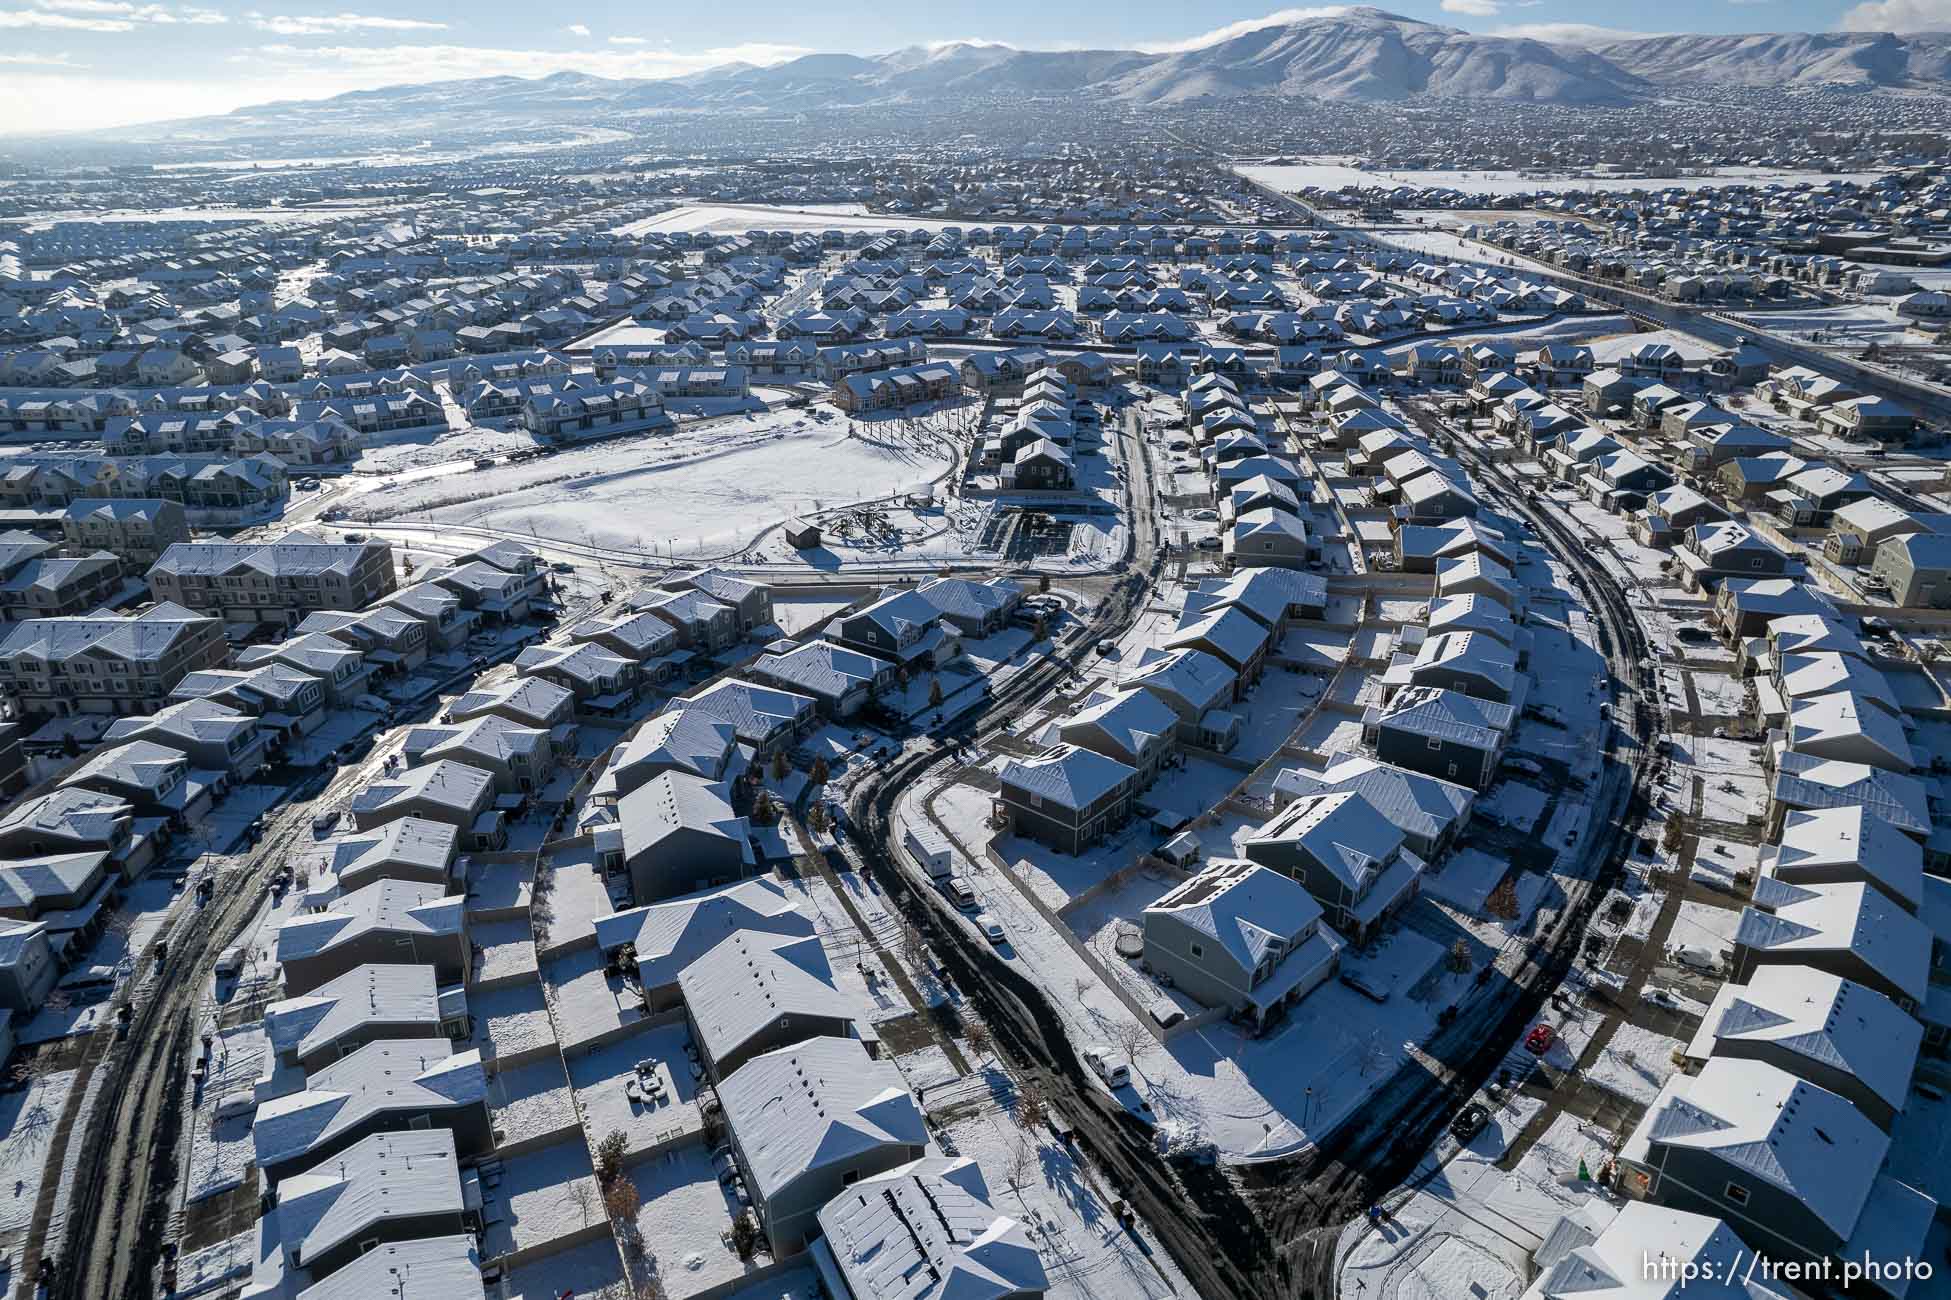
583 1193
1131 1038
1021 1165
977 1035
914 948
622 1201
1032 1109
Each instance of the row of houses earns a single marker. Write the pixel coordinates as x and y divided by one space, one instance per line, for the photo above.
1813 1048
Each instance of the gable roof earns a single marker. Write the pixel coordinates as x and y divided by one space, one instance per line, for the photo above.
814 1105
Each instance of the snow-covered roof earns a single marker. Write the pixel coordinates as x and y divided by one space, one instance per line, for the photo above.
385 1177
1418 805
1832 1021
1811 781
1768 1125
1629 1261
1067 776
1201 680
403 907
926 1231
363 997
817 1104
446 784
676 801
1235 636
687 740
669 936
439 1266
1342 832
746 981
755 711
1804 921
821 668
1249 911
1840 724
1131 719
394 1076
1449 715
1819 843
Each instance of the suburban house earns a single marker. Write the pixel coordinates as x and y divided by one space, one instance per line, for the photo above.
1067 797
931 1219
675 834
1242 936
665 938
1346 853
63 666
810 1121
387 1086
1794 1168
279 582
755 991
1443 733
389 922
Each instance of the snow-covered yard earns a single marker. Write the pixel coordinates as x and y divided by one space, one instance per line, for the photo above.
1634 1063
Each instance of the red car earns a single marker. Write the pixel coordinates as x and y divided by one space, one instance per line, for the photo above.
1540 1039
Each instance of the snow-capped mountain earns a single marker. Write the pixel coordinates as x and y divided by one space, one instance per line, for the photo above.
1361 54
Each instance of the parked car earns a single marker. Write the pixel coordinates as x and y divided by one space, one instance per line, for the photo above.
1695 958
991 928
1665 999
1540 1039
324 822
1470 1121
959 890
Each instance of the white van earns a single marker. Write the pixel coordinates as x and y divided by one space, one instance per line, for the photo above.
959 890
230 962
1695 958
1115 1073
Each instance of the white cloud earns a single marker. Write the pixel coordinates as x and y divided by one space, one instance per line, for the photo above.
1898 16
334 24
41 60
44 21
124 12
576 29
1474 8
1278 18
1571 33
629 40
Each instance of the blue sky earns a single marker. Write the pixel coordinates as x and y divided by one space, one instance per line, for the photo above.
79 64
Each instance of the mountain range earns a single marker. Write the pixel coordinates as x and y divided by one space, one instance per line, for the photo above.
1359 54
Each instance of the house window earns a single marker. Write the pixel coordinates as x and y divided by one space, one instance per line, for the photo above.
1198 950
1436 742
1735 1194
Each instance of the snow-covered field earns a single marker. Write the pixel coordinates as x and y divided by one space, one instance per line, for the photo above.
687 494
737 218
